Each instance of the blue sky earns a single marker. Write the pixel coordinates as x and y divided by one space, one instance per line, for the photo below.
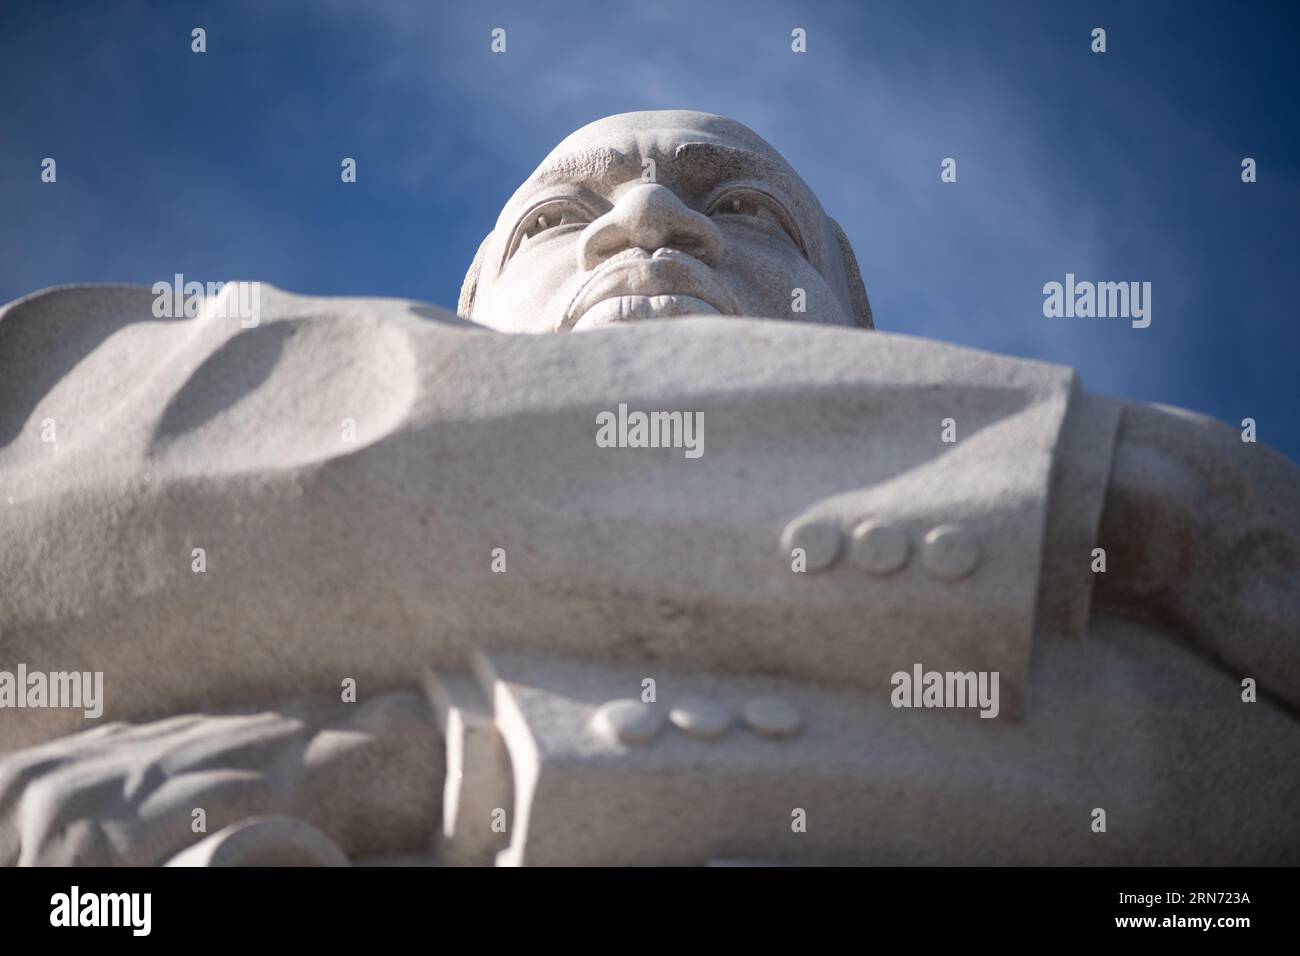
1118 166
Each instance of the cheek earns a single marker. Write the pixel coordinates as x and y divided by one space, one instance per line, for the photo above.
533 291
764 275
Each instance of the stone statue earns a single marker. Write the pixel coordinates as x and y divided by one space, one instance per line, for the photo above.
360 580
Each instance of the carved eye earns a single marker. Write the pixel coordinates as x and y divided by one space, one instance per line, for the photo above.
752 204
552 215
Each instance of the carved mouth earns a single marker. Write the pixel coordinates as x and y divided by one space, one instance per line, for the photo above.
636 285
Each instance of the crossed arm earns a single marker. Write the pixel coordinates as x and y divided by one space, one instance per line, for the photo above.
1202 538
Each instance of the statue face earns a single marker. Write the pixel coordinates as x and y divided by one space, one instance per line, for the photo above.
657 215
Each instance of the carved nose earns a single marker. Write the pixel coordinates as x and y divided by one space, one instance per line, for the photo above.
649 217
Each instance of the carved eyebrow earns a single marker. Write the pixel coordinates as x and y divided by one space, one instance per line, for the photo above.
593 167
603 167
734 161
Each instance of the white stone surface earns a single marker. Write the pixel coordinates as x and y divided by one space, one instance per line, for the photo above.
363 553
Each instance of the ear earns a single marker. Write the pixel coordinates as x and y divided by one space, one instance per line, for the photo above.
857 291
468 288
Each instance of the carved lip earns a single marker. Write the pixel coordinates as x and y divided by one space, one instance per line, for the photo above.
662 285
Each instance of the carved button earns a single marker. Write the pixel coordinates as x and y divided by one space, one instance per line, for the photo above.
819 537
773 717
878 547
264 841
951 552
627 721
700 718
